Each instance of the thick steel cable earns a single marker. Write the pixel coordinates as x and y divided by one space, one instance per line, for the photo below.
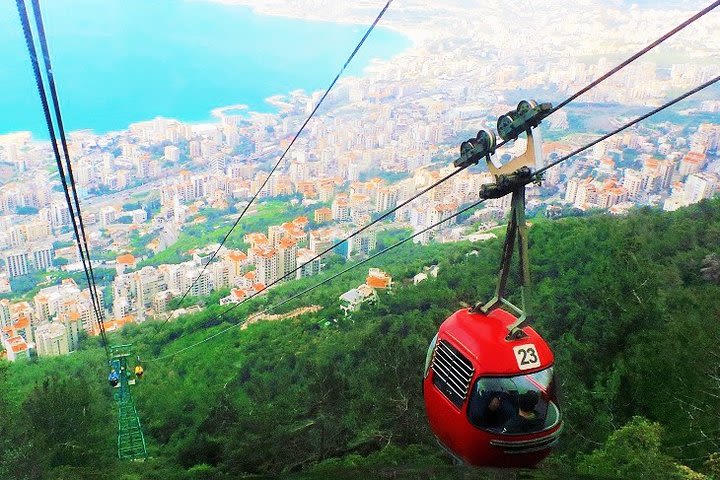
22 11
397 244
282 157
68 165
538 174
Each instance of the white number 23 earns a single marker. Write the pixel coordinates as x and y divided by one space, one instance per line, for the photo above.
527 356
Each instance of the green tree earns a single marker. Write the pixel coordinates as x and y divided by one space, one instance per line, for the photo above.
634 451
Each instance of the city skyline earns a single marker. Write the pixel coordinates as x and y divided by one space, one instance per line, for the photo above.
381 138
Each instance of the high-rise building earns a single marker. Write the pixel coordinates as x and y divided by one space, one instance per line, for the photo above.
5 318
323 214
172 153
235 259
73 323
43 256
107 216
37 230
634 182
308 265
341 208
266 264
219 275
275 234
385 199
691 163
194 147
59 214
52 339
287 252
199 283
571 190
16 263
198 185
699 186
217 164
364 243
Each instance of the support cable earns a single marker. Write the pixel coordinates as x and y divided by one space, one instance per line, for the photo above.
282 157
53 140
68 165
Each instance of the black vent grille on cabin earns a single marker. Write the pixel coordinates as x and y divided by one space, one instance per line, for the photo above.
452 372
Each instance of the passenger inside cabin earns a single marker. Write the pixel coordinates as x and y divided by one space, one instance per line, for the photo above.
493 407
113 378
527 418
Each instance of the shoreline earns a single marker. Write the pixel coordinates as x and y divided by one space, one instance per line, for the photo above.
276 102
414 36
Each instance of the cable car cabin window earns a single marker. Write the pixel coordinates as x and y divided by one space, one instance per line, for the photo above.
452 372
514 405
429 356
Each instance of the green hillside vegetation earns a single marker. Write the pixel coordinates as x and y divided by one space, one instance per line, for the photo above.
625 303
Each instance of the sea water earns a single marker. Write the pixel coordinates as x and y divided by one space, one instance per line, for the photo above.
120 61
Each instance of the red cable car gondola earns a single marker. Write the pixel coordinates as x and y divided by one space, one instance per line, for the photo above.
474 382
489 384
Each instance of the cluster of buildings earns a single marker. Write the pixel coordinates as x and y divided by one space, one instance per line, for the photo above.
270 258
366 292
402 120
668 172
49 325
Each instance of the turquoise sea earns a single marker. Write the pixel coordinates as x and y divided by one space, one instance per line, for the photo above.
121 61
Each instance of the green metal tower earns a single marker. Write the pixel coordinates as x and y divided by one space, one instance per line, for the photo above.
131 441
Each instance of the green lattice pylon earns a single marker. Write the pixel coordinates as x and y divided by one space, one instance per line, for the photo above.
131 441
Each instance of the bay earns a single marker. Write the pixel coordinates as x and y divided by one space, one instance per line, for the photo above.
121 61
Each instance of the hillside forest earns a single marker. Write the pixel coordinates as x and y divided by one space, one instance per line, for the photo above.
629 305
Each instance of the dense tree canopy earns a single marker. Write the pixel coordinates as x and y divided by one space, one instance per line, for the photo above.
626 303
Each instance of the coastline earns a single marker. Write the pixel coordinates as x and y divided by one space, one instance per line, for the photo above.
415 36
277 100
219 112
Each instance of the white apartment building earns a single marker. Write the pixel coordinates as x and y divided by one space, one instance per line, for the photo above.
52 339
308 268
267 264
699 186
287 256
16 263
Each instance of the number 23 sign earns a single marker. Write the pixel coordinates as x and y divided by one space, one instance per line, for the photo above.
526 356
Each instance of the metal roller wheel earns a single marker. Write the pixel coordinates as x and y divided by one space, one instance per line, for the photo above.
465 149
504 126
487 139
526 107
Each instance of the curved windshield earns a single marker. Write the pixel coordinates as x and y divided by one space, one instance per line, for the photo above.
519 404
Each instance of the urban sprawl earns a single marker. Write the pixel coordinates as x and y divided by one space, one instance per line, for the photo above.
378 140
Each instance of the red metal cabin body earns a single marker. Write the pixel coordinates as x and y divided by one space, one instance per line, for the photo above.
474 379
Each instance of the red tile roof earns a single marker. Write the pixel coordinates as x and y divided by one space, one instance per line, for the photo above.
126 259
237 255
